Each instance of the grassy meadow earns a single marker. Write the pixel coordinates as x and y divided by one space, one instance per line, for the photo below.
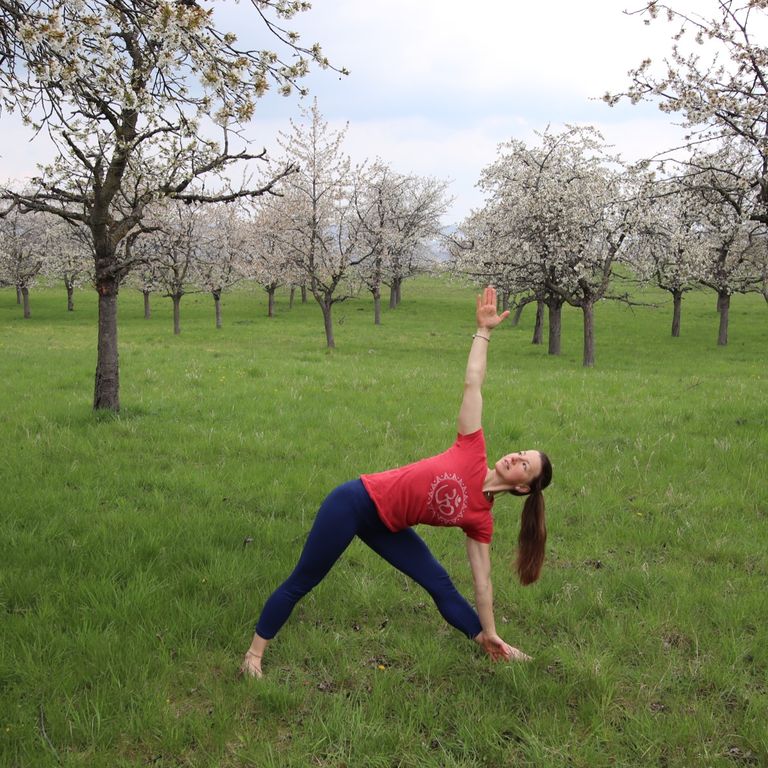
136 551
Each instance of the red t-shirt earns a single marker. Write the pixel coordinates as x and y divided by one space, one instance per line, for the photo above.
446 489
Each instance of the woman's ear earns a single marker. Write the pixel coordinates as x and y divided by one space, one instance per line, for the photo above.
522 489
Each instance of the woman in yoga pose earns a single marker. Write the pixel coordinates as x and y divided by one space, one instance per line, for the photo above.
454 488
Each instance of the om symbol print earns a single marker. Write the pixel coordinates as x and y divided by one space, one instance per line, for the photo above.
447 499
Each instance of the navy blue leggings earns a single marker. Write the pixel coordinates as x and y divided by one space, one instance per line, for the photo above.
348 512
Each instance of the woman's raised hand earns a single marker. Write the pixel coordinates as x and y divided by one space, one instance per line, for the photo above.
487 313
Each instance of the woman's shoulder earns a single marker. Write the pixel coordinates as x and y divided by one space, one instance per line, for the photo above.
470 439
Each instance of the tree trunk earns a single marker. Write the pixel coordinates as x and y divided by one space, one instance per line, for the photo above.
588 310
303 294
555 312
538 328
518 313
106 393
18 295
327 306
217 305
25 300
70 296
395 293
270 302
176 313
677 303
504 300
723 305
290 299
376 305
147 309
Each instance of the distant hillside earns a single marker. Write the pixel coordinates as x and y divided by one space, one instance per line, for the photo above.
436 247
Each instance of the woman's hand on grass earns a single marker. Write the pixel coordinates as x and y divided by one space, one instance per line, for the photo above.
494 646
498 650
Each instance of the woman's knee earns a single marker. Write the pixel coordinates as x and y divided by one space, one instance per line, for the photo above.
439 584
299 584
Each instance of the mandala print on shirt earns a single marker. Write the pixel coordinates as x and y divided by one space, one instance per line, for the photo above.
447 499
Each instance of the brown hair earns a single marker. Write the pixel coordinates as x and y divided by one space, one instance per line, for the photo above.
533 528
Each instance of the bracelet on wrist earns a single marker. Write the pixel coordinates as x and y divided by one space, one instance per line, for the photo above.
480 336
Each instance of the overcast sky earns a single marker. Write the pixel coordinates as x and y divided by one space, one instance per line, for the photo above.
436 85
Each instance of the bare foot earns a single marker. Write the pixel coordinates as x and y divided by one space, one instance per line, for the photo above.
517 655
251 666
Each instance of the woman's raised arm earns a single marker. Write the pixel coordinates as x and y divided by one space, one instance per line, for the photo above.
487 316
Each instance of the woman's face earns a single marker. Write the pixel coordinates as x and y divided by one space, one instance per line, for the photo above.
519 469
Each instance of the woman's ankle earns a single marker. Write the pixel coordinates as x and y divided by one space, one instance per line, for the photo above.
258 646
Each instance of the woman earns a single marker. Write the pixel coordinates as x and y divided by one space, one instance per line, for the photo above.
455 488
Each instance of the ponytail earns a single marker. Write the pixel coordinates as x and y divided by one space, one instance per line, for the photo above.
532 538
533 529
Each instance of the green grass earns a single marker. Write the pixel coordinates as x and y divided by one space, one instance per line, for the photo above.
128 593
